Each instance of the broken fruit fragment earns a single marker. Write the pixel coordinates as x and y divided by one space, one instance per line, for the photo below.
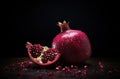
42 55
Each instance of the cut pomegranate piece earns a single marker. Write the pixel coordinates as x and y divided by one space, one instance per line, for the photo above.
42 55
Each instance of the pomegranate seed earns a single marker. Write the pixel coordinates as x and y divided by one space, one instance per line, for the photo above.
110 72
67 68
19 73
74 67
59 68
44 59
22 66
7 68
30 63
85 67
40 76
63 69
84 72
69 72
25 62
50 74
78 72
100 65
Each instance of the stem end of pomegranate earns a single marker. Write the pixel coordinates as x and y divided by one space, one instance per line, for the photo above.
64 26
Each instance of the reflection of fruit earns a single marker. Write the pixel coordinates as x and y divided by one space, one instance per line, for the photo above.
42 55
73 44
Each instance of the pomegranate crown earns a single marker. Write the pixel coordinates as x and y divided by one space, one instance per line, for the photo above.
64 26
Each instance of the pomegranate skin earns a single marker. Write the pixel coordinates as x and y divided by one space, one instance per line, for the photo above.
74 45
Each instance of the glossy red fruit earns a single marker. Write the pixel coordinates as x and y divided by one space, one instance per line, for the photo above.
73 44
42 55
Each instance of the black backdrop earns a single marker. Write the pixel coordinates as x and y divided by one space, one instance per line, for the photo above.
35 21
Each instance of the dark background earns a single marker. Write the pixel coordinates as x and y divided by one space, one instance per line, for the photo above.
36 22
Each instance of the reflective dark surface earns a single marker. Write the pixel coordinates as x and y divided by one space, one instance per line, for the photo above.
110 70
35 21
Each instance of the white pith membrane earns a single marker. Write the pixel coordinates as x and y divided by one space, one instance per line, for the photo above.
39 58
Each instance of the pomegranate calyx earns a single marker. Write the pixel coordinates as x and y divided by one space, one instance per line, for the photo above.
63 26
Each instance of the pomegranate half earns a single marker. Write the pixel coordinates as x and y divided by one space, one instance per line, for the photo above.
42 55
73 44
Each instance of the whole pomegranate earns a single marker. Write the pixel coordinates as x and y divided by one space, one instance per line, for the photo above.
73 44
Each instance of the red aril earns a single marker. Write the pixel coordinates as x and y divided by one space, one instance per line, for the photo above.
42 55
50 73
58 68
73 44
78 72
